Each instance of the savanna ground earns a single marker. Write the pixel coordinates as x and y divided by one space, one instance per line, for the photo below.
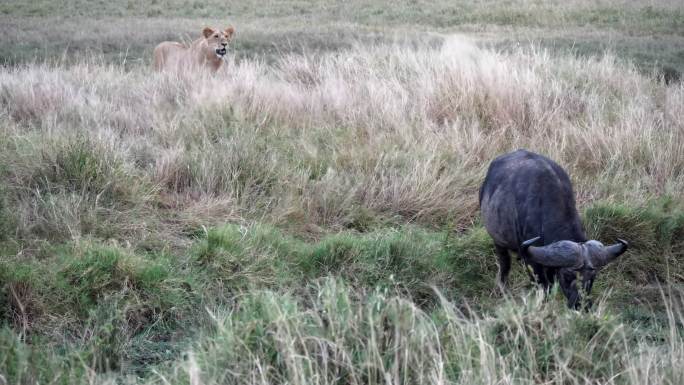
308 215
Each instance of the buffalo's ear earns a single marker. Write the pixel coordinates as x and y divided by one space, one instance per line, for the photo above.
230 31
207 31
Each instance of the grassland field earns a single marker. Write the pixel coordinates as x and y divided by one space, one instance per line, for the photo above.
308 214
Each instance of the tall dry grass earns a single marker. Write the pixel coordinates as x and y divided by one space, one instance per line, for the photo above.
403 133
338 336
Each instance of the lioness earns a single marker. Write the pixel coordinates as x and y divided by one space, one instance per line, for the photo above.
208 51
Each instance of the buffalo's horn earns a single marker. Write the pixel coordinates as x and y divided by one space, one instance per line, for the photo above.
529 243
612 252
558 254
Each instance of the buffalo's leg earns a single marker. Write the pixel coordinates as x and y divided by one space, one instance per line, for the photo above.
567 280
550 274
587 283
504 266
540 276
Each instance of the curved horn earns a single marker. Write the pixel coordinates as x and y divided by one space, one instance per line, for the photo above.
558 254
612 252
527 253
528 243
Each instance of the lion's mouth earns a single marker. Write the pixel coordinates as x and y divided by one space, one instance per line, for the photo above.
221 51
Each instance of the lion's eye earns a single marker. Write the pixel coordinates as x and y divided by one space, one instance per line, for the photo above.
215 35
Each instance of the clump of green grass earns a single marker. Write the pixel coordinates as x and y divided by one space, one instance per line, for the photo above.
658 225
100 300
93 275
405 259
242 257
655 232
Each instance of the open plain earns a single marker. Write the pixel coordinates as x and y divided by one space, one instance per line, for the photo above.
309 213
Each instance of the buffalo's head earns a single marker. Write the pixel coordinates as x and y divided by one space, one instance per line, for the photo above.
573 258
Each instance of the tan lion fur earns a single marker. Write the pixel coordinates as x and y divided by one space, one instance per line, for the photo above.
203 52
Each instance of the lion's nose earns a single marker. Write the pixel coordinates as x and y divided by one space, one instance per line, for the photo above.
224 44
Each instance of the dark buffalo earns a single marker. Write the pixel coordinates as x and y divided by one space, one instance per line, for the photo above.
527 199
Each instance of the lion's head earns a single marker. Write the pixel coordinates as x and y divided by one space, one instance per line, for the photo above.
218 39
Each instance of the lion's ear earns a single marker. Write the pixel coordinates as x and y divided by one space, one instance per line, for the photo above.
230 31
207 31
